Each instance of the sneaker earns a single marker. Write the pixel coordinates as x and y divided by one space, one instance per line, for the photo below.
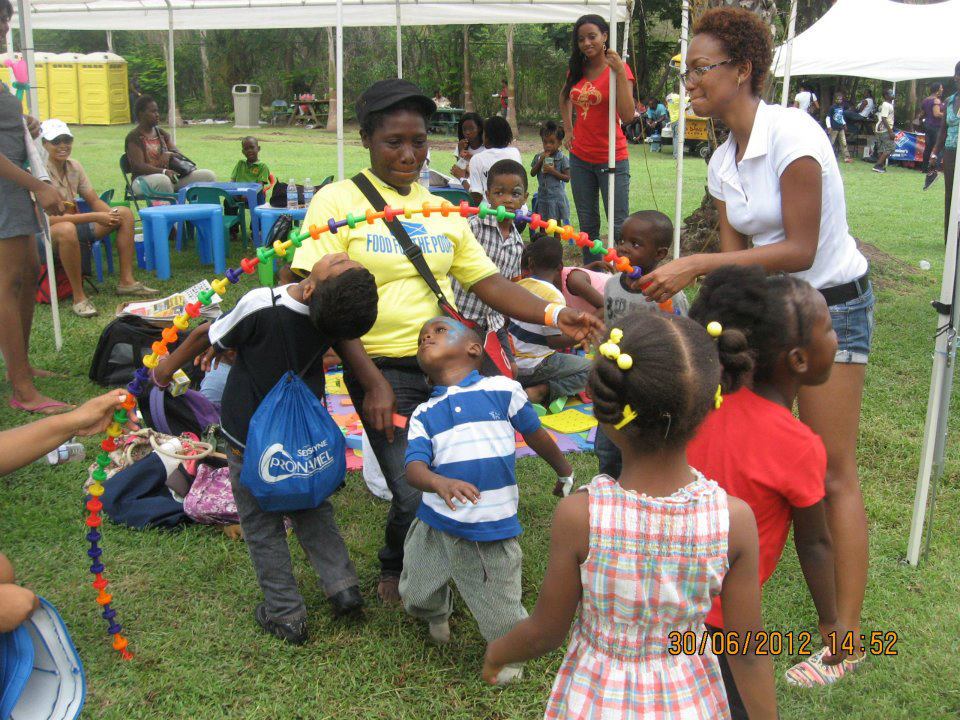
84 309
878 169
294 633
440 631
510 674
930 179
347 603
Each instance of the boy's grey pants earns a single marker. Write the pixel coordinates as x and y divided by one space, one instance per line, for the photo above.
266 539
487 575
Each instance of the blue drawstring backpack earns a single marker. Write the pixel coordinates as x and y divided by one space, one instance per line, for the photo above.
295 457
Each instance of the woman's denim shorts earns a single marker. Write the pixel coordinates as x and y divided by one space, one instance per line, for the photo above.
853 323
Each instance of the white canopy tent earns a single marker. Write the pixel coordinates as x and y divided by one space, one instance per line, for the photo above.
171 15
878 39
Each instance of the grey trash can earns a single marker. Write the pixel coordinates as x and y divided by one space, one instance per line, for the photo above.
246 106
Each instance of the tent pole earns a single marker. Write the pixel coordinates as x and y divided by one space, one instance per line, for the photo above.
109 40
26 45
171 70
612 133
9 39
788 59
680 134
339 89
399 43
941 385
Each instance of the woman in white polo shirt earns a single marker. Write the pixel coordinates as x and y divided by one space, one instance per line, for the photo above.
775 182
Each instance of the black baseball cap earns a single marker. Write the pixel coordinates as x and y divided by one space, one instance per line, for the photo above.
386 93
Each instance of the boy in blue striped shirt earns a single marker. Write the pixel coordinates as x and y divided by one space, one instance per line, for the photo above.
461 451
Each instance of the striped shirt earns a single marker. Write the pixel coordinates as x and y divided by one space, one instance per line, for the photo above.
505 254
529 339
467 432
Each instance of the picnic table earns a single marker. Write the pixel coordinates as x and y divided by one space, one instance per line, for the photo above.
445 120
307 112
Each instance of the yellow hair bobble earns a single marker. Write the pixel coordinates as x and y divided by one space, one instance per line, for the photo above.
718 398
611 350
616 335
628 416
714 329
624 362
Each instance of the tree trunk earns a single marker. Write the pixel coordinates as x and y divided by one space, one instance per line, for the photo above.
511 85
331 81
205 72
467 78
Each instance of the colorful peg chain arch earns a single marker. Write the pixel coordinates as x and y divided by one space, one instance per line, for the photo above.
232 276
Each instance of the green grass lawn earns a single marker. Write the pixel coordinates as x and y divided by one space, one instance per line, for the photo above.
186 598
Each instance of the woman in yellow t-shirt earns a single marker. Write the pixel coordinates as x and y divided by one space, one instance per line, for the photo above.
383 376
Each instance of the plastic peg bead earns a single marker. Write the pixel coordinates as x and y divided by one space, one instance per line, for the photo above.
353 220
99 475
94 506
220 286
446 207
95 490
206 296
315 232
332 226
135 388
583 240
503 213
551 227
408 212
484 209
96 569
129 404
623 265
465 209
248 265
294 241
169 335
265 254
119 641
279 249
611 256
151 360
103 459
93 521
159 348
94 552
109 614
181 322
108 444
636 273
120 416
598 247
389 213
114 430
426 209
536 222
101 582
372 216
568 232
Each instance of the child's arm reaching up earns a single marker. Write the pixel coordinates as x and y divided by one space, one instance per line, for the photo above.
547 627
740 597
191 348
544 446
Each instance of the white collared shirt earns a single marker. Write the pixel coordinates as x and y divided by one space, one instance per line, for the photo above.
751 190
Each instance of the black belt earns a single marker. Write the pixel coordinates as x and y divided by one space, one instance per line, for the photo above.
839 294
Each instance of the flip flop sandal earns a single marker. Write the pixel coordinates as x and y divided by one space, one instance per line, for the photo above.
814 672
42 407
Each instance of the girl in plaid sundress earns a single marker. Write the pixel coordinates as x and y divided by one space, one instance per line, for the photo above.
643 555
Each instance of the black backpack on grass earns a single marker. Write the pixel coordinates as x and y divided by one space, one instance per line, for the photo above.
121 348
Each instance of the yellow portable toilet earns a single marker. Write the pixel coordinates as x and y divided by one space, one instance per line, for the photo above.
40 61
63 89
102 82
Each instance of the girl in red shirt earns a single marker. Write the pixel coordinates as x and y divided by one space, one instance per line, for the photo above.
758 451
584 107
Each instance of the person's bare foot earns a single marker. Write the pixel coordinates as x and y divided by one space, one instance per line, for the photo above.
41 373
389 590
537 394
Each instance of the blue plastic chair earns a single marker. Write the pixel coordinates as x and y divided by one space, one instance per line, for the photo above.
157 222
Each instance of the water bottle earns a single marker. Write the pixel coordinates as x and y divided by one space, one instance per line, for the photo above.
425 172
292 199
307 192
68 452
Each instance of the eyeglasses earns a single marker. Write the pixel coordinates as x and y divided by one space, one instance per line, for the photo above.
62 140
696 74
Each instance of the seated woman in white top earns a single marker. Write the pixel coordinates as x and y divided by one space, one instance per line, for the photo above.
497 137
779 195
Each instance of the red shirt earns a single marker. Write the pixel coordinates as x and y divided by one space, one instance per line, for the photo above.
591 103
759 452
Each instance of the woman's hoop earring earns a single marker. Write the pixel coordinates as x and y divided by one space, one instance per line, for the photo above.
739 81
